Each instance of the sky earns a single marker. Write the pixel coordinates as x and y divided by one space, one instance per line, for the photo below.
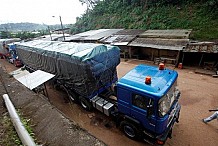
40 11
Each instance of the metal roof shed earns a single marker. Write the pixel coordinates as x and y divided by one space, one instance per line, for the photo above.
204 52
207 47
122 38
168 40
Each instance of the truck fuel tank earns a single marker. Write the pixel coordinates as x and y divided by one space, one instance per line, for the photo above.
102 105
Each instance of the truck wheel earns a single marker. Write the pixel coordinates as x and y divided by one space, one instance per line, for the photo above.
85 103
130 130
15 64
72 96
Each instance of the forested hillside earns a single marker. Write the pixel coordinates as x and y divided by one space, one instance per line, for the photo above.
199 15
21 27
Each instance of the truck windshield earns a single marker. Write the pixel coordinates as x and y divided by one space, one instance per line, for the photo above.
167 100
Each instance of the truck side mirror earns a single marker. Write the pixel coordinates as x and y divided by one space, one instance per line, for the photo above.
149 111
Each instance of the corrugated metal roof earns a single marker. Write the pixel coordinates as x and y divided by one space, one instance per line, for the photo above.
103 34
83 35
91 32
122 37
158 43
169 33
207 47
92 35
130 32
119 39
54 37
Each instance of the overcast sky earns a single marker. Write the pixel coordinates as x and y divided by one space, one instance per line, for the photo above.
40 11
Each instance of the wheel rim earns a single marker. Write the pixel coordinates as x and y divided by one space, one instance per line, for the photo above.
71 97
129 131
84 105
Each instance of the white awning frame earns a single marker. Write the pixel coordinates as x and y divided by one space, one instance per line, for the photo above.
32 80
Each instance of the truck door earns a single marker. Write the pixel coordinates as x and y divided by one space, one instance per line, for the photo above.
139 111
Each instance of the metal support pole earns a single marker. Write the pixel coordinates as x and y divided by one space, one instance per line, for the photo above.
62 27
49 32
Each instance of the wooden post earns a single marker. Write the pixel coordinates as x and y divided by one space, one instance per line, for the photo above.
183 56
177 58
201 59
46 92
130 52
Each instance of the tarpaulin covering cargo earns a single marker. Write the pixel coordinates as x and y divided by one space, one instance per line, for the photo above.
82 67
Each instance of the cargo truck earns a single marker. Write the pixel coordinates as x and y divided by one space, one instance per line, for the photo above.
13 58
144 102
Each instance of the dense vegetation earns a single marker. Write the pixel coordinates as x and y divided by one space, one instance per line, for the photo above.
26 30
21 27
198 15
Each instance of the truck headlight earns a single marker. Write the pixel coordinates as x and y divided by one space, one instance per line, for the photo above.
164 105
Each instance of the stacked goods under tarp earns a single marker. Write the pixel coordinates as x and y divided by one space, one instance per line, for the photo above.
81 67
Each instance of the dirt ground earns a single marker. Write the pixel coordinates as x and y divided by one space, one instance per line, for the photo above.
198 94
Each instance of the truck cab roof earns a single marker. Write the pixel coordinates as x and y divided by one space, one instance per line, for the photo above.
161 80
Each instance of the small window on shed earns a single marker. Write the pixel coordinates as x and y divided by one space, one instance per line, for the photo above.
140 101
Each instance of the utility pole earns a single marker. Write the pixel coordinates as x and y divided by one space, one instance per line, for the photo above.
49 32
61 27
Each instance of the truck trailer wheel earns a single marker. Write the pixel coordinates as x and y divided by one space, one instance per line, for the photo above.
15 64
85 103
130 130
72 96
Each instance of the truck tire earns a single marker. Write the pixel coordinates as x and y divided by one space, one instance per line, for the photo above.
130 130
85 103
15 64
72 96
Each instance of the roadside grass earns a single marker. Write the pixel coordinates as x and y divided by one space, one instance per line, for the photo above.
8 135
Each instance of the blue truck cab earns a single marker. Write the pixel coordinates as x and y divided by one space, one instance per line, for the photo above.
148 103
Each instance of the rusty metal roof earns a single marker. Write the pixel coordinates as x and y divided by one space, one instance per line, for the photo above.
159 43
207 47
169 33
